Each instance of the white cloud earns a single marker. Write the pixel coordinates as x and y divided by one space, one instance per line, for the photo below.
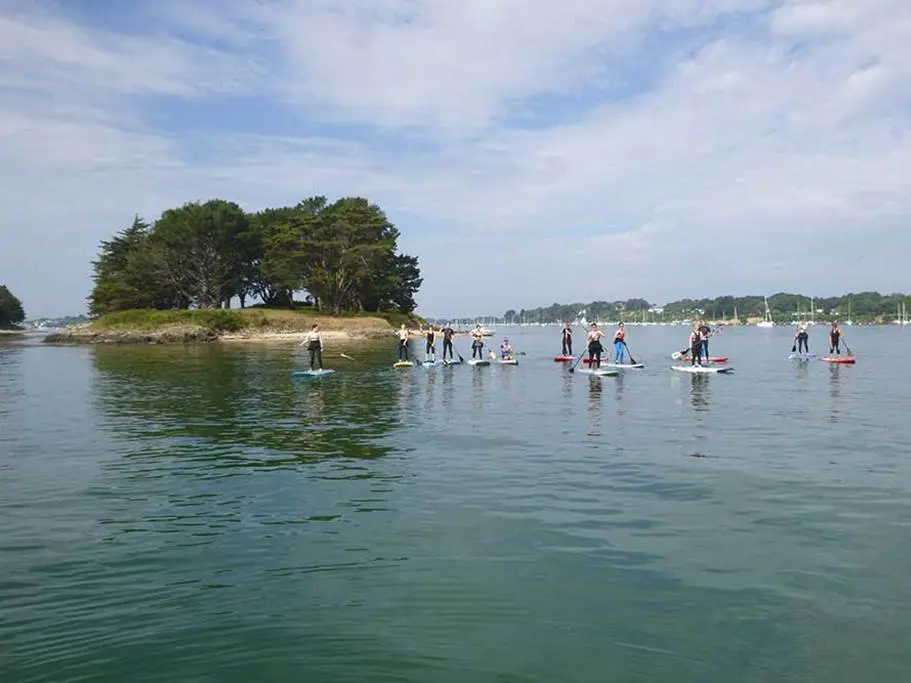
772 132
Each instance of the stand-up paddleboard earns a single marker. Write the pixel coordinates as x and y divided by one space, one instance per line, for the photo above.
312 373
598 372
711 359
508 361
801 356
452 362
403 364
701 369
563 359
623 366
429 363
478 362
839 360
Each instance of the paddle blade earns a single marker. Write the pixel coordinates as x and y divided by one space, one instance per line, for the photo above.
793 348
676 355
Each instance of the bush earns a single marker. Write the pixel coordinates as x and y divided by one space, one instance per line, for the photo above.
218 319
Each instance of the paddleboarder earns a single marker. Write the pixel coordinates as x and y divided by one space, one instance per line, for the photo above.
835 338
567 340
448 333
314 343
430 351
695 345
619 343
477 342
403 342
505 350
594 346
704 333
802 337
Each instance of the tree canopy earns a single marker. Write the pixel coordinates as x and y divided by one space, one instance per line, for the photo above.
11 311
344 255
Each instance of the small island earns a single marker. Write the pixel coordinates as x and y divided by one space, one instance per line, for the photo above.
11 312
175 280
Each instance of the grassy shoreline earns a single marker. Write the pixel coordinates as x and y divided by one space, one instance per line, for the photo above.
210 325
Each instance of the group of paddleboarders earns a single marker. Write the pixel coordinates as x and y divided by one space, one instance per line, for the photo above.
593 343
698 342
430 339
802 338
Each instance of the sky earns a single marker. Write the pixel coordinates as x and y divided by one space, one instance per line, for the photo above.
529 151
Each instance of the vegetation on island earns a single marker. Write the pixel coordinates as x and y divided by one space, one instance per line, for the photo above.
11 311
195 260
784 308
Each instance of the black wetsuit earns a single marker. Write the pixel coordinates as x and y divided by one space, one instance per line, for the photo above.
594 353
567 341
803 345
835 341
447 341
696 349
431 348
315 347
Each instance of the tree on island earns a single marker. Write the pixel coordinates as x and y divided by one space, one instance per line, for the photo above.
11 311
344 255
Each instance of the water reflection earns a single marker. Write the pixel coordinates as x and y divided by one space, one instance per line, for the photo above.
834 392
699 393
241 406
595 389
446 398
430 390
477 386
568 381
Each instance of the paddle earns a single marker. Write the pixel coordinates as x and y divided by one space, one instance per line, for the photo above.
631 359
345 355
848 348
572 368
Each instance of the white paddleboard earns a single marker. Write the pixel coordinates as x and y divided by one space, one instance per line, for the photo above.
476 362
701 369
312 373
508 361
801 356
623 366
598 372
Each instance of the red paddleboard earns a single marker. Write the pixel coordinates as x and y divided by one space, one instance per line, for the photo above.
842 360
563 359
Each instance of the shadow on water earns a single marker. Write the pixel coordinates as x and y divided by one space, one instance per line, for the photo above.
243 405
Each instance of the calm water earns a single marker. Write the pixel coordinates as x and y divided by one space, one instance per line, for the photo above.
194 514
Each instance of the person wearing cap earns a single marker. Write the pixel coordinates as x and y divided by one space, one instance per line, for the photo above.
594 345
505 350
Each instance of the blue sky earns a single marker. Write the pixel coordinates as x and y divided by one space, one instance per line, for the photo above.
530 151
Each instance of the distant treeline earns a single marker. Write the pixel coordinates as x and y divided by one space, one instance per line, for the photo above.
784 307
202 255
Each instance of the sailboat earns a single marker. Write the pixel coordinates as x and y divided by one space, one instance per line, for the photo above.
768 316
849 321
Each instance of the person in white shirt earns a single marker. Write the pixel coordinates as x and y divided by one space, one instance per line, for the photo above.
314 343
403 342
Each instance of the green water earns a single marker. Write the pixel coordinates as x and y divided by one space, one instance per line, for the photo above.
195 515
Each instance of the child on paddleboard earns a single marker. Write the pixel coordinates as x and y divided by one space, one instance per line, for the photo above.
477 342
695 345
567 340
505 350
619 343
835 338
594 346
430 351
314 343
802 337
